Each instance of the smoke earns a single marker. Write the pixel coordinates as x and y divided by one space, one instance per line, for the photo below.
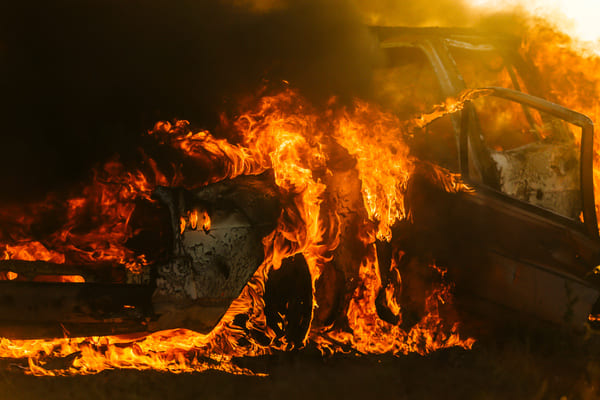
82 81
418 13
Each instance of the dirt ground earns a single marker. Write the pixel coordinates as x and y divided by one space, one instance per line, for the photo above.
515 362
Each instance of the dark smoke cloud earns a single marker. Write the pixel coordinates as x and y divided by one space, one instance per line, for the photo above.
83 80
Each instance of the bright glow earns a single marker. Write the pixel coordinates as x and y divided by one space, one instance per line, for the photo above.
580 18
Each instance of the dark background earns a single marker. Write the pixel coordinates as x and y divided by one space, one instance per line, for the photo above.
83 81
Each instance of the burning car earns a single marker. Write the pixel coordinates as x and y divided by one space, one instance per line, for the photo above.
290 229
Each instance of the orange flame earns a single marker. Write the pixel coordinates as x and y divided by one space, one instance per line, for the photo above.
284 134
107 203
195 217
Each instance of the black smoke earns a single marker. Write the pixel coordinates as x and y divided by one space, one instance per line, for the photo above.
81 81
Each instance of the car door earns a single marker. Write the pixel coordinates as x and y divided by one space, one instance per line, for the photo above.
530 219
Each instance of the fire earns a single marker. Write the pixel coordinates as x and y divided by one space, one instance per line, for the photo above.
383 160
106 203
285 134
572 77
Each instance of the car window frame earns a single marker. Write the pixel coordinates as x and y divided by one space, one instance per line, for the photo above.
586 149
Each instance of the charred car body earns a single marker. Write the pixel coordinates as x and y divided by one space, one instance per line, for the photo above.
525 237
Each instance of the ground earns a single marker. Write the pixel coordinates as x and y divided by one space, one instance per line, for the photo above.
514 362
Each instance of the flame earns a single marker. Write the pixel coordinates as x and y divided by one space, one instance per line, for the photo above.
368 334
375 139
11 276
195 217
106 203
571 71
285 134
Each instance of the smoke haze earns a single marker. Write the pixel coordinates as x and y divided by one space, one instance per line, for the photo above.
82 81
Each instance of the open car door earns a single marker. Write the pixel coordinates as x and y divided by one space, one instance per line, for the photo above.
526 236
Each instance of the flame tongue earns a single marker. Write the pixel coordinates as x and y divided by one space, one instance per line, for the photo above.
106 204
